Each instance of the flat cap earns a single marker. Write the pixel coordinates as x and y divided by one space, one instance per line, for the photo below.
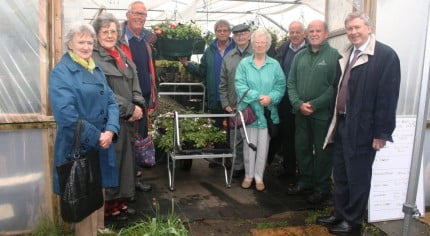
240 28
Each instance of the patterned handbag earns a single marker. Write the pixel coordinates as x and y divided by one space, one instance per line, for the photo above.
144 150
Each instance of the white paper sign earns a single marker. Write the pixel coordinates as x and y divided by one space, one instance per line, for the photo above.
390 175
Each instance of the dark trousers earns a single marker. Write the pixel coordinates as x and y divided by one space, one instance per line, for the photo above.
285 145
315 163
352 175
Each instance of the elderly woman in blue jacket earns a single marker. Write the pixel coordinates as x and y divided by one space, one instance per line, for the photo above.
78 91
263 77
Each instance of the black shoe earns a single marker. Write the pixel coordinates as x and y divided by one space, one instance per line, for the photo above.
328 220
317 198
116 218
344 227
297 190
238 173
143 187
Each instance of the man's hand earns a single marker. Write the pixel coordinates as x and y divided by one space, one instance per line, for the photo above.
137 114
378 144
228 109
306 109
265 100
105 139
183 60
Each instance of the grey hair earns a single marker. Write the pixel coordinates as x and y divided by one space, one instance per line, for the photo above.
133 3
104 20
222 22
264 32
79 29
358 14
298 22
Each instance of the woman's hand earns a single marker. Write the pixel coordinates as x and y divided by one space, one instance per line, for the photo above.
105 139
137 114
265 100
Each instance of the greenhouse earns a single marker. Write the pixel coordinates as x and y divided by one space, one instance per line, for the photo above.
193 154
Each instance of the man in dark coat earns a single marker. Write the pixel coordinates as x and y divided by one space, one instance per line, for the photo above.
284 143
364 119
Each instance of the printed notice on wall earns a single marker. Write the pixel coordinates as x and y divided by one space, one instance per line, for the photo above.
391 175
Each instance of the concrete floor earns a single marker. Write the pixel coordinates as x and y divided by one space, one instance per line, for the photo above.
201 194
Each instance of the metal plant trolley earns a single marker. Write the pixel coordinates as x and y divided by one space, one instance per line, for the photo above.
179 154
190 93
188 155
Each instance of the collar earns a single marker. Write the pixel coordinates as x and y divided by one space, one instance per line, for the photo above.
130 34
369 47
72 65
364 46
322 47
240 51
300 46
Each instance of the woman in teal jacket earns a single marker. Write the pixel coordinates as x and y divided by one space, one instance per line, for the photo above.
265 80
78 91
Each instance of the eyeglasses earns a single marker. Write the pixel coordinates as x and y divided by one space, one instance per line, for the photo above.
139 13
108 32
260 42
223 31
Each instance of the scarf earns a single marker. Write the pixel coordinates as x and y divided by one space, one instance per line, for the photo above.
89 65
115 54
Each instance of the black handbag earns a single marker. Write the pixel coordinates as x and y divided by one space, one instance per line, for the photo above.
273 128
80 183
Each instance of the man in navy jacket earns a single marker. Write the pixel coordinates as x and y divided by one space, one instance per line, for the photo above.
364 119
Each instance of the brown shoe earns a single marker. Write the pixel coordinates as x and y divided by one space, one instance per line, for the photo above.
246 183
259 186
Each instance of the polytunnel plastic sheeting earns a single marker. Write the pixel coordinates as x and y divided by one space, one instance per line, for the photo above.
20 57
23 186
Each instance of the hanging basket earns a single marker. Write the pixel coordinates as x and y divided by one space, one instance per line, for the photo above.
175 47
199 46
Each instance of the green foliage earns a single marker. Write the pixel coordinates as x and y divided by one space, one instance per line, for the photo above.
169 30
198 132
156 226
208 37
47 227
313 215
371 230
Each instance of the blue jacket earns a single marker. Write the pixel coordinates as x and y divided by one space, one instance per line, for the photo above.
76 94
209 70
269 80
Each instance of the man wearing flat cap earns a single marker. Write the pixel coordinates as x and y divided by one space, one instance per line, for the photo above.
241 36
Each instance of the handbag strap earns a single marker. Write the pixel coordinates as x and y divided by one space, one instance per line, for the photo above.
241 98
77 139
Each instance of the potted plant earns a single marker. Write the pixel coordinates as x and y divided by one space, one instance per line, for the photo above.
177 40
195 133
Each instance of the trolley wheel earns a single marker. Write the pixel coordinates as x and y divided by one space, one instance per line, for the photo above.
185 164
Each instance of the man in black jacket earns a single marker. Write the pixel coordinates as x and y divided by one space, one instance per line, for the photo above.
363 121
285 140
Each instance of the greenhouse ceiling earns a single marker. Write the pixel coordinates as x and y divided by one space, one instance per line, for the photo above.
275 14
